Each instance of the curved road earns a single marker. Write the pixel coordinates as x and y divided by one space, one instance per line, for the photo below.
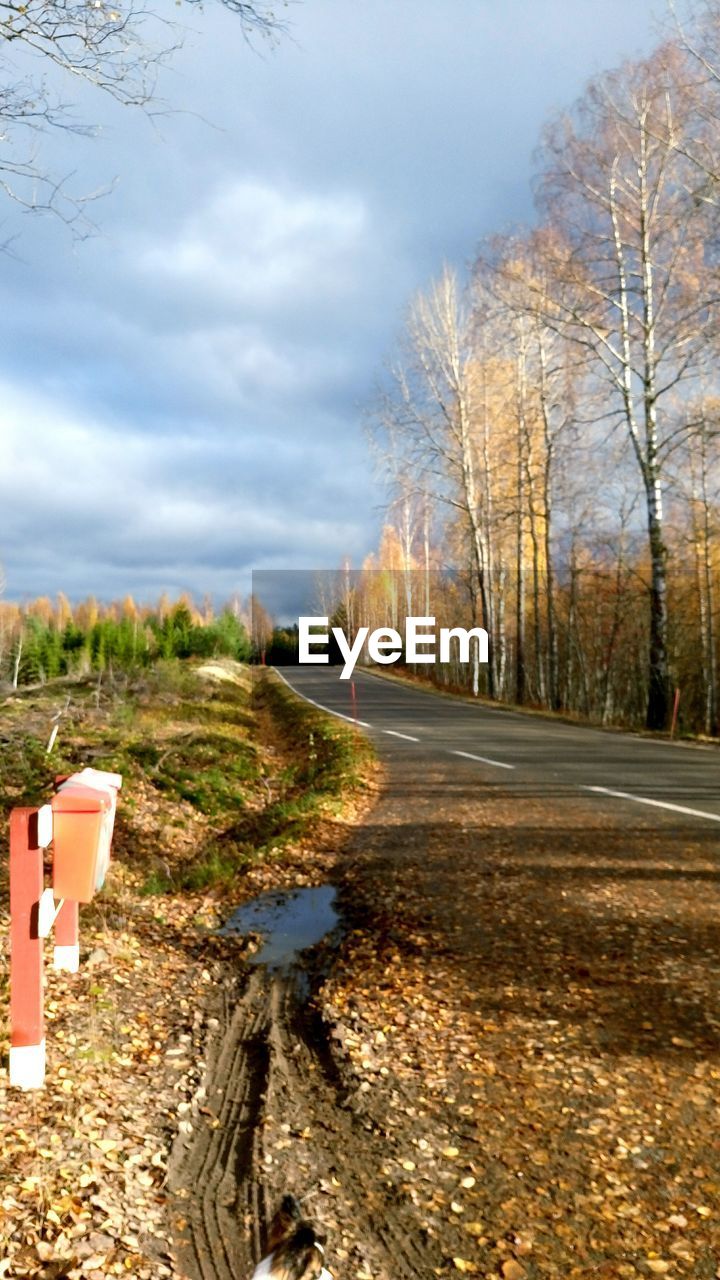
526 753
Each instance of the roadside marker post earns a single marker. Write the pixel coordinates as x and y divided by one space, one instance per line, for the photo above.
676 706
66 953
83 816
79 825
27 1016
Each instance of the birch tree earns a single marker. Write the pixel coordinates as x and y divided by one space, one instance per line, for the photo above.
697 43
698 485
517 273
431 405
630 254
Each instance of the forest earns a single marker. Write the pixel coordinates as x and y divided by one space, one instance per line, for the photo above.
549 425
42 640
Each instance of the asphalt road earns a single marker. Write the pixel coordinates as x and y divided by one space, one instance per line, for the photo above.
673 783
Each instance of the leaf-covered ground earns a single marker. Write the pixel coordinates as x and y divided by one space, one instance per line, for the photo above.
529 1000
216 800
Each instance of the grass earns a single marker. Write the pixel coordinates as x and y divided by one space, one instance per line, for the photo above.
315 765
217 772
328 756
211 770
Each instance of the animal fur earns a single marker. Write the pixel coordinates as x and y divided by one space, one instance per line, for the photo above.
294 1249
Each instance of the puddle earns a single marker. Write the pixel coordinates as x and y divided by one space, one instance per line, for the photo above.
289 920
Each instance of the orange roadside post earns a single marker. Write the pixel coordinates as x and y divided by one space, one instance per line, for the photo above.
66 953
83 819
27 1017
676 706
79 824
79 815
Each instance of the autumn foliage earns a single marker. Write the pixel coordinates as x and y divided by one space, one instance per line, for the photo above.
549 427
42 640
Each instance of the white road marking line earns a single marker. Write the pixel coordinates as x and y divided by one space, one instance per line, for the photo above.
393 733
498 764
351 719
657 804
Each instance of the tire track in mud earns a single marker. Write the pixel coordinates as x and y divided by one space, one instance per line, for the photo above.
272 1084
211 1164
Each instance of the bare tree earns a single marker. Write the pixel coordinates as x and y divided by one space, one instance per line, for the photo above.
554 412
432 406
116 48
697 40
697 478
630 253
514 277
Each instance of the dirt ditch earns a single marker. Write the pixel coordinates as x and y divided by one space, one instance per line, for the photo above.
274 1114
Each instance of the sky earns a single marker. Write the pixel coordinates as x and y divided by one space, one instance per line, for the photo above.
182 395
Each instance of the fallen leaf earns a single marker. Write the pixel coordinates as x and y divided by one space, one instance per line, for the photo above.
513 1270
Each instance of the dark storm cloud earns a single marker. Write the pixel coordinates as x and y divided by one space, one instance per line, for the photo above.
183 395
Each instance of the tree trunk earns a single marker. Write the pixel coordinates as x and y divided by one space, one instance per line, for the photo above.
550 622
658 703
18 659
520 671
703 560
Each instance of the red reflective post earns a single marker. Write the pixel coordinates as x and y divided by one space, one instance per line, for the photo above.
27 1020
67 942
676 706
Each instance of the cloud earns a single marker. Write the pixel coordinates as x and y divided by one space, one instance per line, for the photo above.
181 398
257 246
87 505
